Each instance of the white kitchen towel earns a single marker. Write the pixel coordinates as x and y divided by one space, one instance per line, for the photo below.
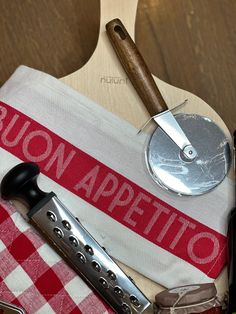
94 162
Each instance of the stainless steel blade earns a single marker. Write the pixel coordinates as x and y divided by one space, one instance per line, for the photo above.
169 168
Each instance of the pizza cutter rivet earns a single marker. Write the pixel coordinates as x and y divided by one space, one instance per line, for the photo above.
189 153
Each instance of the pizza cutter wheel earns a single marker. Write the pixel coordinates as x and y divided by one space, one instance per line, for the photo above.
187 153
169 167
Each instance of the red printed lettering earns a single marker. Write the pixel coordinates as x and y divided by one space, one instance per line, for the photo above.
112 193
3 114
107 187
166 227
185 224
62 163
18 135
87 183
214 251
136 209
160 209
33 136
120 200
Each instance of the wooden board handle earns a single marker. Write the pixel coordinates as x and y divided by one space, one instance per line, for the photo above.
135 67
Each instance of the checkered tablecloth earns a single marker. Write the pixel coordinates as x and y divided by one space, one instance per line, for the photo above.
34 277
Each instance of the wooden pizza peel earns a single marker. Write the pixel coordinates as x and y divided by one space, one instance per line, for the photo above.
103 80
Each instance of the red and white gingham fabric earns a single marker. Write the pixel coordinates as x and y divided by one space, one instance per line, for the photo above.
34 277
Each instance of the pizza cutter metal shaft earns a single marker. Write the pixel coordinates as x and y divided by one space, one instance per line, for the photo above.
171 127
146 87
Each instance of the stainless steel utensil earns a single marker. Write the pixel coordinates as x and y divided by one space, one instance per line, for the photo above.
78 247
188 154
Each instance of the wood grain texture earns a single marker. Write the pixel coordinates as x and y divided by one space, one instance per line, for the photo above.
55 36
190 44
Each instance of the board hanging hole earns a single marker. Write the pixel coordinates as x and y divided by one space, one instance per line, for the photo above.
120 32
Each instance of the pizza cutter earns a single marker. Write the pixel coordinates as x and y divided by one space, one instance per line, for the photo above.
187 153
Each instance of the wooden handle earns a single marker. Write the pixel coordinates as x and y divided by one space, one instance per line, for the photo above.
135 67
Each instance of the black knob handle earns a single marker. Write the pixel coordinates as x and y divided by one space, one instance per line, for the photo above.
21 183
